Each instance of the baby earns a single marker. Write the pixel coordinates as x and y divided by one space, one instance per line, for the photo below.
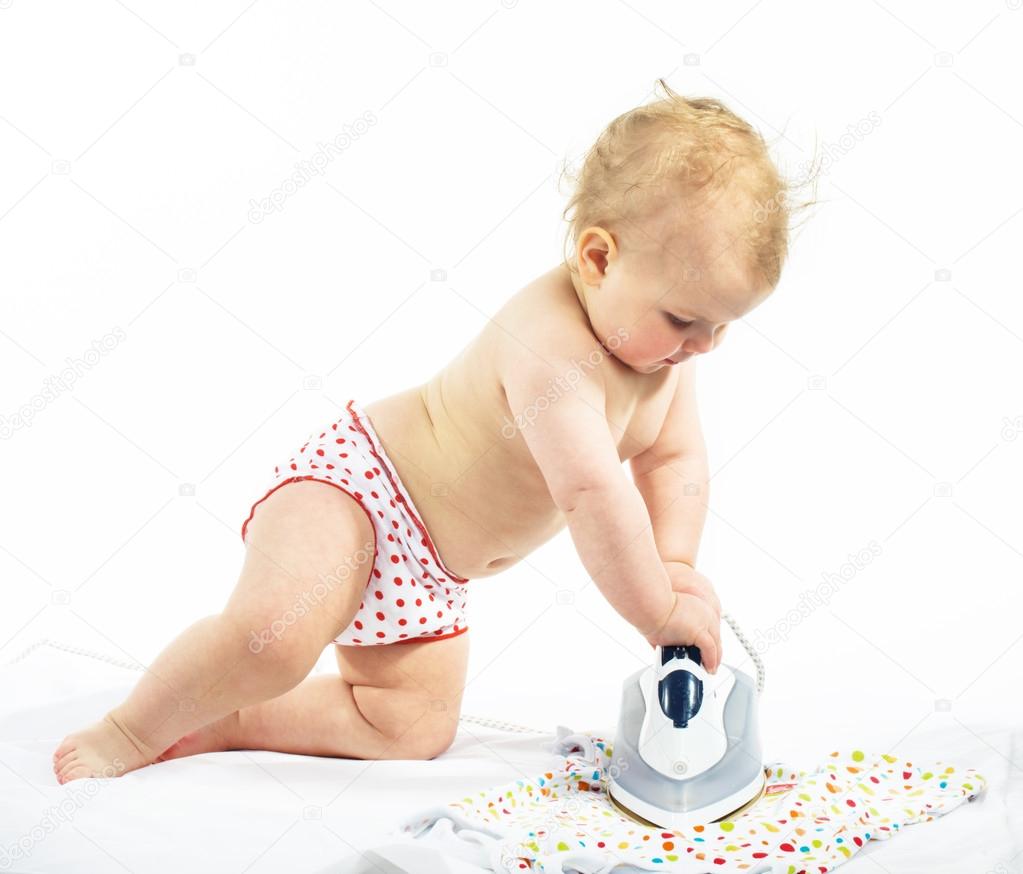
679 227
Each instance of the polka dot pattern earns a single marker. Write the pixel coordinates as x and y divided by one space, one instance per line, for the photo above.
411 596
807 821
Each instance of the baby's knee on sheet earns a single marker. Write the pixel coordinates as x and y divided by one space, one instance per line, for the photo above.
437 739
421 744
412 726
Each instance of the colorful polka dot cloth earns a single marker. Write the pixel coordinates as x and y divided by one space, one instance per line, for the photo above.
807 822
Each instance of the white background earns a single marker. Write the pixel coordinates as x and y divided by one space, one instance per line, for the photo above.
872 406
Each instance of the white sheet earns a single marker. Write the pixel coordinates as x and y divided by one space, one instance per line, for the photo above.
258 812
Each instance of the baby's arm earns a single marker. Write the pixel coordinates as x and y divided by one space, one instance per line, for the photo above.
672 476
571 441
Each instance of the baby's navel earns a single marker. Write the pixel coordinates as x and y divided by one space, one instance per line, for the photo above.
501 562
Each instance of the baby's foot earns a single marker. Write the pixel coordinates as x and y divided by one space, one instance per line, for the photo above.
212 738
104 749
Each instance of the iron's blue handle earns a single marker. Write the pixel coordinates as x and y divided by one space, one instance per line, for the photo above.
680 693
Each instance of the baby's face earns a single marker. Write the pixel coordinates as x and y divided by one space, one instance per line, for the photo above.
667 306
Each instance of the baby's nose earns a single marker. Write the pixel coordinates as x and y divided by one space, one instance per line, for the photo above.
698 345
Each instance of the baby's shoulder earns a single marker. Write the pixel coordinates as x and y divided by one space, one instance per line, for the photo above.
543 325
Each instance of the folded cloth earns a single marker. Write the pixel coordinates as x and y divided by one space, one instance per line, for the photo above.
807 821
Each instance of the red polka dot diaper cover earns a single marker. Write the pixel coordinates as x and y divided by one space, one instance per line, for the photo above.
411 596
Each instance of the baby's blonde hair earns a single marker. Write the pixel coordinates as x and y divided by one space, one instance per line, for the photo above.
685 150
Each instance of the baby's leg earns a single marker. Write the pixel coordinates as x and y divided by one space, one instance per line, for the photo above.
309 555
399 701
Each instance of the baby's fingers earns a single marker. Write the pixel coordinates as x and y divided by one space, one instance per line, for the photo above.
716 633
710 650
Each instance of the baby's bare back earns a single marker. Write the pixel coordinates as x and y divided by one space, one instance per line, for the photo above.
458 449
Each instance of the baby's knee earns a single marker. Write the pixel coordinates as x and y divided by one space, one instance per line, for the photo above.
267 643
419 745
411 732
436 743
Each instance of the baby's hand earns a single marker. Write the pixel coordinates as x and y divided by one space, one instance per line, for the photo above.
692 621
685 579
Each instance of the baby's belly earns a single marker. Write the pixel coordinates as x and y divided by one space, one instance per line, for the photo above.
484 511
477 536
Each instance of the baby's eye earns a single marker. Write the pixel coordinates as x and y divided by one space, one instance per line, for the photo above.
677 322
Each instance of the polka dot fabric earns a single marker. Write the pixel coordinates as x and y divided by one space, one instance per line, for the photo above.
411 596
807 822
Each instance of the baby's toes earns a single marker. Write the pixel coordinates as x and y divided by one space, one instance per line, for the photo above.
74 771
64 747
67 764
66 756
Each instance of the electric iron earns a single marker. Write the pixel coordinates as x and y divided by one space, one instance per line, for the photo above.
687 750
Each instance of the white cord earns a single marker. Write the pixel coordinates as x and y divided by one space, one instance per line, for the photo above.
503 726
465 717
746 645
79 650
